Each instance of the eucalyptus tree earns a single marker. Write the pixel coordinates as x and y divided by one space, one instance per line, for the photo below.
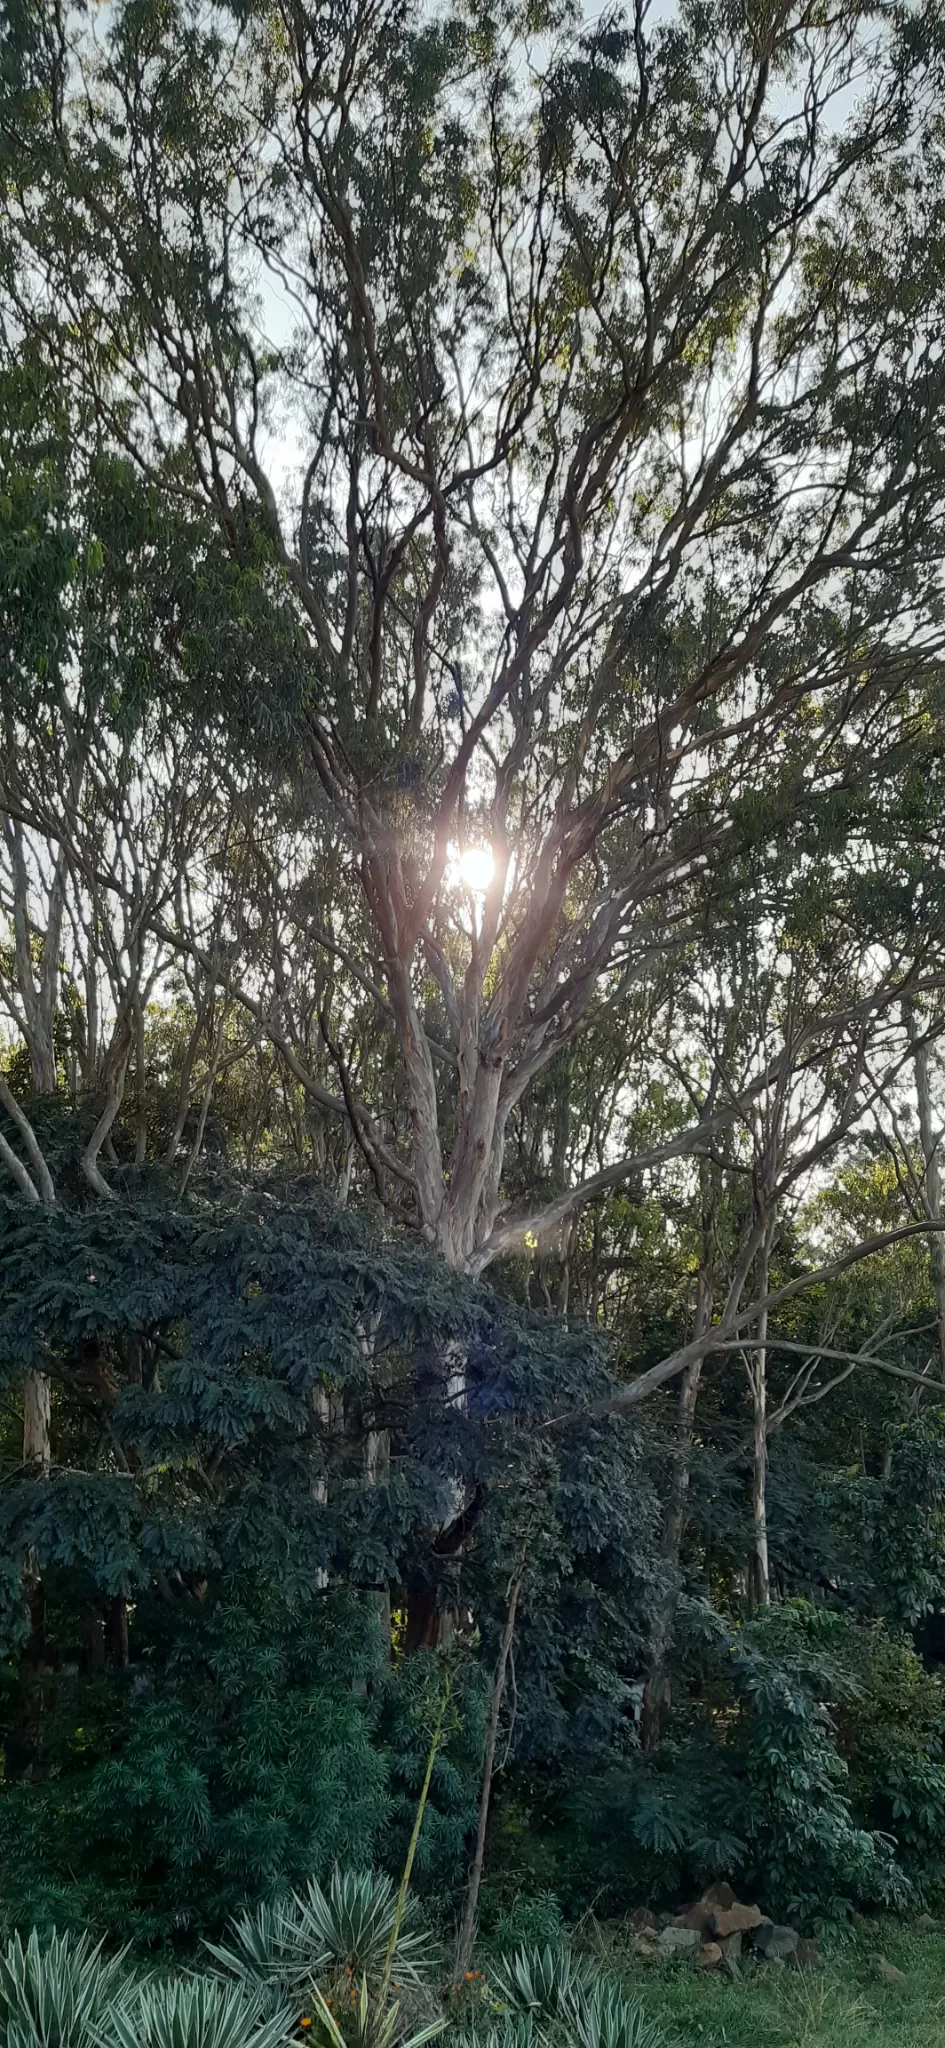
572 399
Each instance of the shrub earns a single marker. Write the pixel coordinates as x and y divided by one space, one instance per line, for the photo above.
195 2012
538 1980
600 2015
348 1927
58 1994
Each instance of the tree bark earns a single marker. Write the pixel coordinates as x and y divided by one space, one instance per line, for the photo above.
657 1691
931 1162
758 1376
467 1929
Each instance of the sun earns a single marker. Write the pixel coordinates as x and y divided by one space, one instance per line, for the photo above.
476 868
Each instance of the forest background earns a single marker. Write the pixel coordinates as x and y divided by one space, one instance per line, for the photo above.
471 732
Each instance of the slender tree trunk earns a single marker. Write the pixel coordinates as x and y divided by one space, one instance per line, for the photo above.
321 1408
758 1375
467 1929
430 1625
37 1456
933 1176
116 1632
656 1691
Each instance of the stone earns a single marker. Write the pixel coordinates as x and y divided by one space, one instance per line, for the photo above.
732 1950
806 1956
927 1923
886 1972
679 1941
646 1944
640 1919
772 1942
735 1920
720 1895
699 1916
710 1956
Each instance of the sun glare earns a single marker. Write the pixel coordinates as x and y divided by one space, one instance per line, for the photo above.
476 867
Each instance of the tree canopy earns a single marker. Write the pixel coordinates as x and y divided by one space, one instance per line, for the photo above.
471 680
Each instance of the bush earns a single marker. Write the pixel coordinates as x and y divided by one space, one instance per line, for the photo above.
809 1852
62 1993
196 2012
348 1928
241 1768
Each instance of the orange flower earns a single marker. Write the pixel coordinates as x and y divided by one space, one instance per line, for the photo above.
306 2022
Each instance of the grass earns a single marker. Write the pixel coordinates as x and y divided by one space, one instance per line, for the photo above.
842 2006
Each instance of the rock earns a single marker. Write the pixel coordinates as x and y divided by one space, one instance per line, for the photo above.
806 1956
860 1922
646 1944
732 1950
679 1941
886 1972
775 1942
720 1895
927 1923
699 1916
710 1955
642 1919
719 1898
735 1919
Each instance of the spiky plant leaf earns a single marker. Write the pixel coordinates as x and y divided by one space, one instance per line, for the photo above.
58 1992
538 1980
598 2014
347 1927
376 2024
197 2012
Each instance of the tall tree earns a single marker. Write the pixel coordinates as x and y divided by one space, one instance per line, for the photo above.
584 419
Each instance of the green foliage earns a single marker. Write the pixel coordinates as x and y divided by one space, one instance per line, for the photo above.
539 1980
550 1985
346 1927
512 2030
376 2024
195 2012
240 1762
804 1840
602 2015
531 1919
61 1993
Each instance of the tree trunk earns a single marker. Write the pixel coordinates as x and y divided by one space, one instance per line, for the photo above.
116 1633
933 1177
656 1691
467 1930
430 1625
758 1375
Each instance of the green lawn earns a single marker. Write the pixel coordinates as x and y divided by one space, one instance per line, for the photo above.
841 2007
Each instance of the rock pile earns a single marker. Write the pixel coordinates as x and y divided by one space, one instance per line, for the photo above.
716 1931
